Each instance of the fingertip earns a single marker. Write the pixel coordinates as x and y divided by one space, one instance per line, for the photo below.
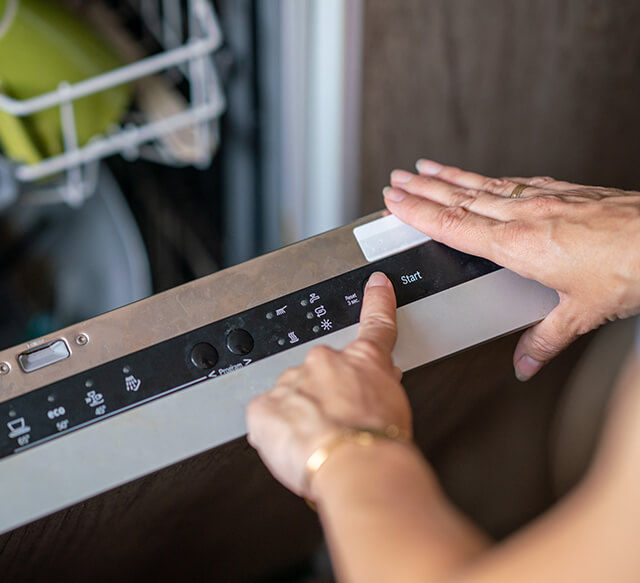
393 194
544 341
401 176
378 313
378 279
527 367
428 167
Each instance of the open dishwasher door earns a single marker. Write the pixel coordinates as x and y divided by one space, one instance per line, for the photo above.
119 434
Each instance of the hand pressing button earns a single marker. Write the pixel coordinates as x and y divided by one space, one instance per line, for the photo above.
239 342
366 279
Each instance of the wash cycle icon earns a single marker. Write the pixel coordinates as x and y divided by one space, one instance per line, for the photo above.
132 384
19 430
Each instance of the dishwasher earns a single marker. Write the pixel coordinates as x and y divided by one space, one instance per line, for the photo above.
122 435
133 392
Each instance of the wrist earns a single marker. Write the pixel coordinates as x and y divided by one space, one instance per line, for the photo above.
361 436
352 463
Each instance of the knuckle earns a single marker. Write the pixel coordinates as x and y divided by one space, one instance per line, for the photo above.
541 180
602 193
464 197
319 354
545 346
382 320
497 185
584 323
545 204
451 218
255 407
367 348
586 327
287 376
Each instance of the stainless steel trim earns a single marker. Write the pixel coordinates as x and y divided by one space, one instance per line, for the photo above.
190 306
83 463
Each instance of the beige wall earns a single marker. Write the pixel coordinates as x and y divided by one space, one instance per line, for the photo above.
503 87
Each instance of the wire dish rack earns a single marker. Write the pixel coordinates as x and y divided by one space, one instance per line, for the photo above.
189 33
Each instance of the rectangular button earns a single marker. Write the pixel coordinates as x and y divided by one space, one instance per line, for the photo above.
44 355
387 236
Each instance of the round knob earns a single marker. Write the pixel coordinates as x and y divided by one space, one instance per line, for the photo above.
239 342
204 356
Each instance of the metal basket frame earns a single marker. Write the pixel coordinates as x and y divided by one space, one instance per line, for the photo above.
191 56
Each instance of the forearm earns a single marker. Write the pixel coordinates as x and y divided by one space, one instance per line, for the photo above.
386 519
590 537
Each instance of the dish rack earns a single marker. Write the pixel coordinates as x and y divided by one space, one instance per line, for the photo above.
189 33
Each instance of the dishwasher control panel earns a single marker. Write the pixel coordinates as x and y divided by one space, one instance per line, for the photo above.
219 348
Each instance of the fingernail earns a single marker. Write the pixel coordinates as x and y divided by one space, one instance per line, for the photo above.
428 167
401 176
526 367
393 194
378 279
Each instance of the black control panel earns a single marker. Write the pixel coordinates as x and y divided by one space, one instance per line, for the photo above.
224 346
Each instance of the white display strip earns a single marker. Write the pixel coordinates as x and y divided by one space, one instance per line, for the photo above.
67 470
387 236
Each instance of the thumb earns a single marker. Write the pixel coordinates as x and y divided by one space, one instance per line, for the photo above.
539 344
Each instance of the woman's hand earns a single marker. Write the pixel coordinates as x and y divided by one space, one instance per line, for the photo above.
582 241
356 387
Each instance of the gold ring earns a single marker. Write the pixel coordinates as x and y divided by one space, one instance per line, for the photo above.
518 190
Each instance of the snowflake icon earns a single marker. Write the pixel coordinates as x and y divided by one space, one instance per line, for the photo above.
326 325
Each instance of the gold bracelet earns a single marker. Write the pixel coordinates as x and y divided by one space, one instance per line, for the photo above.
362 436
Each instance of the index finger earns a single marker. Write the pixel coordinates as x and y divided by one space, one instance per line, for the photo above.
378 315
457 227
453 175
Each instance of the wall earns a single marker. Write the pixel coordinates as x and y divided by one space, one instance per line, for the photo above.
502 87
